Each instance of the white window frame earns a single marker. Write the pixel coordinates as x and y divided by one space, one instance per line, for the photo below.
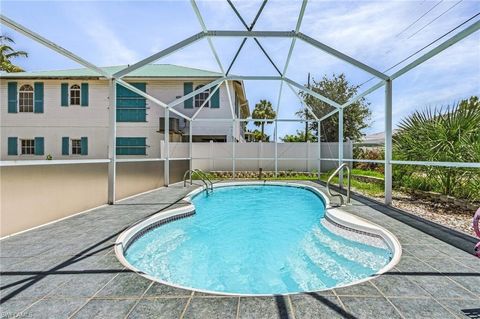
205 94
75 140
33 97
32 146
70 89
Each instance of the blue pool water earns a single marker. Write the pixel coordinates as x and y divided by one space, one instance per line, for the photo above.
254 240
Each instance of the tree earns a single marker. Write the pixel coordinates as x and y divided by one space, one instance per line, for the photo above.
263 110
299 137
259 136
338 89
448 134
7 53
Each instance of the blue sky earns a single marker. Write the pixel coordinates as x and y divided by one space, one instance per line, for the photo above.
378 33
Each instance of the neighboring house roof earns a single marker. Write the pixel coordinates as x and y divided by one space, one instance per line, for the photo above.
147 71
376 138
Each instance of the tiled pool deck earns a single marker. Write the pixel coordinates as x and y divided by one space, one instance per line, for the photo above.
68 270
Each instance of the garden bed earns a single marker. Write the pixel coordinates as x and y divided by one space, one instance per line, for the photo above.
445 214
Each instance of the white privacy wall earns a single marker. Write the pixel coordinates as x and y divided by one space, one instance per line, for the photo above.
252 156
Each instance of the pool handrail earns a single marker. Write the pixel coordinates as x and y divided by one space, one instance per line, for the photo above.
341 167
202 176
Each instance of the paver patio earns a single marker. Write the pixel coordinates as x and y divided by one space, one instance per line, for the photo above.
68 270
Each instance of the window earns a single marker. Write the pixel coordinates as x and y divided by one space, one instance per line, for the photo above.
201 97
76 147
75 95
25 98
28 147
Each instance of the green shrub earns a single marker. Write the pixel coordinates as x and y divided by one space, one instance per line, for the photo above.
440 135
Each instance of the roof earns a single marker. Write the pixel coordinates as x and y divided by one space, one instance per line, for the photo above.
147 71
375 139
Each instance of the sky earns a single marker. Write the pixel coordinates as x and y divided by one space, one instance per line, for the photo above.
377 33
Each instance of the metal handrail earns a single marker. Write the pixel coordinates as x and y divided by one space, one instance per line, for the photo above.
205 176
341 167
202 175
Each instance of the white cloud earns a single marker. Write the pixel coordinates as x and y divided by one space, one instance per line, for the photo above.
108 47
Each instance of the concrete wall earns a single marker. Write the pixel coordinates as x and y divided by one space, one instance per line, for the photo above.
291 156
34 195
92 121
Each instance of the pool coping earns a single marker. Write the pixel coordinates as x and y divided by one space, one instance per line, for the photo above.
355 223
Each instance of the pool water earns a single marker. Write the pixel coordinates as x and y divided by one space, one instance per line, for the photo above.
254 240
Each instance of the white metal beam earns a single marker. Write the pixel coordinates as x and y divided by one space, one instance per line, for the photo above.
328 115
206 101
195 92
367 92
297 29
150 98
319 142
166 136
340 147
444 45
112 140
204 29
313 93
49 44
158 55
251 34
341 56
441 164
388 143
230 103
253 77
301 101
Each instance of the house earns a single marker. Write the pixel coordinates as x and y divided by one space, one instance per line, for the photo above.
64 114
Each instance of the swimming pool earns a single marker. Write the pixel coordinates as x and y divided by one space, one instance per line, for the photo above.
255 239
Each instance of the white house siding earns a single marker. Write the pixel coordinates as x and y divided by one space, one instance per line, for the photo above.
92 121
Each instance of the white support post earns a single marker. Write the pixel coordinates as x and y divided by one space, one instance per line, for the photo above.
340 146
190 147
388 142
233 147
307 155
166 170
112 141
276 148
319 149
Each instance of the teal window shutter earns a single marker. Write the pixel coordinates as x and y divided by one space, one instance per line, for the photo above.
215 100
12 146
38 104
64 94
12 97
39 146
84 145
84 94
131 107
65 145
188 88
131 146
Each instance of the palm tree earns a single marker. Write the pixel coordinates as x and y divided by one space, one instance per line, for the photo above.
263 110
7 53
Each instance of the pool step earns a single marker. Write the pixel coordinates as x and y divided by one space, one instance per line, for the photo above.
364 256
329 263
305 276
